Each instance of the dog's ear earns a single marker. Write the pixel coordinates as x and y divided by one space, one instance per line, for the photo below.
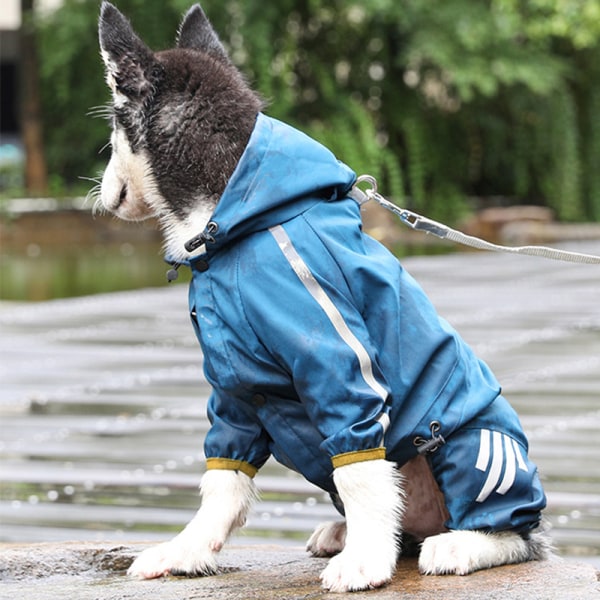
131 69
196 33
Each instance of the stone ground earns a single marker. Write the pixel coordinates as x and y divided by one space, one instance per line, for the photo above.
82 571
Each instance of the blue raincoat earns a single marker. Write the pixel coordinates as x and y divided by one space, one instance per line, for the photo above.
323 351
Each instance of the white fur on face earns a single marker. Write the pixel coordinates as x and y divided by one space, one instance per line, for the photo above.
129 189
178 231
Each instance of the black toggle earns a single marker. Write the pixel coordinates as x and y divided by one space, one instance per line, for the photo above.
202 238
196 242
430 446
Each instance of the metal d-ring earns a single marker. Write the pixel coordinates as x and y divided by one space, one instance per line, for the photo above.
370 180
362 196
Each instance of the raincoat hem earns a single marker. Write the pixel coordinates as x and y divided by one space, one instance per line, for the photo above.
230 464
348 458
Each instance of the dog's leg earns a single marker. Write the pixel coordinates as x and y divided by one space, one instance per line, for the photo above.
372 495
462 552
226 500
328 539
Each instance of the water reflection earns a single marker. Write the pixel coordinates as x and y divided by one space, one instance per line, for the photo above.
65 272
61 254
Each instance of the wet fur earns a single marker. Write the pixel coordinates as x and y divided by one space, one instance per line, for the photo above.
186 114
181 120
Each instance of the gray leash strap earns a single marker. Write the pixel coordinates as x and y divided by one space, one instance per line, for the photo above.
420 223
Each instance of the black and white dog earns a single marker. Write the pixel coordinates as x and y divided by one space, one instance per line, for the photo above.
385 408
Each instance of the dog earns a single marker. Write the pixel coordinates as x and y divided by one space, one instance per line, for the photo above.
321 349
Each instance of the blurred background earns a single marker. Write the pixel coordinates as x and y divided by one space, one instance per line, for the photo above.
480 113
454 106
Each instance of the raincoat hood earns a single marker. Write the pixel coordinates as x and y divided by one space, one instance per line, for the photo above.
281 173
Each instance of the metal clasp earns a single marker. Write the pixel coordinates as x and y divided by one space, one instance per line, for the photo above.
420 223
430 446
362 196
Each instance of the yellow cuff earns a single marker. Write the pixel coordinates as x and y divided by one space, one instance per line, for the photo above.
341 460
232 465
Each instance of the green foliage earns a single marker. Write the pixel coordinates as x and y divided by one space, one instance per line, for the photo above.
70 71
591 152
73 80
439 100
561 185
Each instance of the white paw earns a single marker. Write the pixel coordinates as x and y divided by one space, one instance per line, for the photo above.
174 558
462 552
327 539
351 572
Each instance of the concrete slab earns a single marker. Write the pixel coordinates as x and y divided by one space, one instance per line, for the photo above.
97 572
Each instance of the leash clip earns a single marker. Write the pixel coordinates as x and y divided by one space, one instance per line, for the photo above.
362 196
420 223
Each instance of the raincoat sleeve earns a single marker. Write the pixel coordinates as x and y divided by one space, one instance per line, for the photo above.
236 440
314 330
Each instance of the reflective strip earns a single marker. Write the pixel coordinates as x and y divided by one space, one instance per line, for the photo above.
495 469
511 467
503 451
334 315
483 458
384 420
521 462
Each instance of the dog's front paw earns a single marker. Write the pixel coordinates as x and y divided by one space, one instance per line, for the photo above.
328 539
173 558
351 572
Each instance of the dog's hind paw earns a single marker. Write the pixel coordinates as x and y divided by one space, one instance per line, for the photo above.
328 539
173 558
349 572
462 552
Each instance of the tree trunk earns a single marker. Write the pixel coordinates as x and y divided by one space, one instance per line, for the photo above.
36 172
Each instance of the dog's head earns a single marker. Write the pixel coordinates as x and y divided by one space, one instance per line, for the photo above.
181 119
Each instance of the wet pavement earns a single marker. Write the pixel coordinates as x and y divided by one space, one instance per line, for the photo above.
95 571
102 404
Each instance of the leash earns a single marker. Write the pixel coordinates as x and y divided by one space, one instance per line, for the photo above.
421 223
